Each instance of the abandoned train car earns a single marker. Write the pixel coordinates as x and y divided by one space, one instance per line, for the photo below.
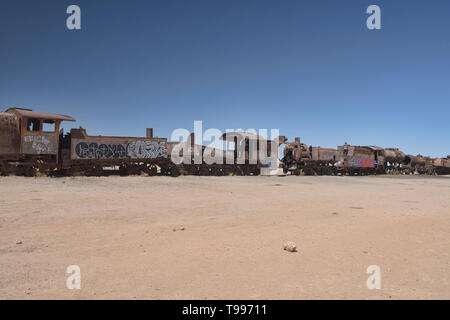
32 142
91 155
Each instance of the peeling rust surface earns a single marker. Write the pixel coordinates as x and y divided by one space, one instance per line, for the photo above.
9 134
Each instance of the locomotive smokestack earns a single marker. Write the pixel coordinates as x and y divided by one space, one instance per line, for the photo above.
149 132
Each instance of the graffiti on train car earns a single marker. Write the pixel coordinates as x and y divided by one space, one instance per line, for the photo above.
361 162
34 144
94 150
147 149
135 149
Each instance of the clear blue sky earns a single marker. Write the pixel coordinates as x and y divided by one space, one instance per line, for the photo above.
310 68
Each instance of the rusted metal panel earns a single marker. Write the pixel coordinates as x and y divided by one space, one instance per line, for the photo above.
98 147
441 162
417 160
324 154
9 134
40 144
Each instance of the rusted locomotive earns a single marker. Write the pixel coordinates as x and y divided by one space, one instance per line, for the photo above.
301 159
29 141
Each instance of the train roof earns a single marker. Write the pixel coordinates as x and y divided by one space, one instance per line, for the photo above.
28 113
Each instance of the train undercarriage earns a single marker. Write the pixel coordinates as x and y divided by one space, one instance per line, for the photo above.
28 167
322 168
319 168
122 167
219 169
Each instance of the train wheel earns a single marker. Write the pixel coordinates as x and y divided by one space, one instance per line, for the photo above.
217 172
204 171
164 171
152 170
20 170
227 170
25 170
197 171
191 170
174 172
30 171
135 170
123 171
238 171
183 170
170 171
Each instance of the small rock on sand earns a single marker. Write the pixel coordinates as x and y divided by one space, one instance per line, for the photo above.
290 246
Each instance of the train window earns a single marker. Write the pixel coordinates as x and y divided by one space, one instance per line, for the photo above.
48 126
33 125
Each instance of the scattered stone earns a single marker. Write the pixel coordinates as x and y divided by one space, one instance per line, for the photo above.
182 228
334 213
19 242
290 246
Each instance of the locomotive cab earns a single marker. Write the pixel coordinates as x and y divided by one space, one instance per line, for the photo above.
29 141
39 132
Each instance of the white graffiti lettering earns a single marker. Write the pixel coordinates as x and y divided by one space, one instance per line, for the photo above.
147 149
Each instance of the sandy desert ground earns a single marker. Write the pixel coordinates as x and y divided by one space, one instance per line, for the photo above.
228 237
